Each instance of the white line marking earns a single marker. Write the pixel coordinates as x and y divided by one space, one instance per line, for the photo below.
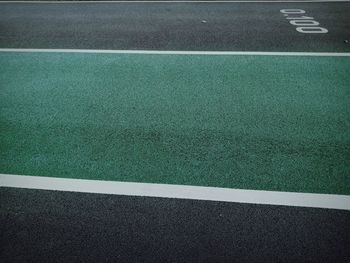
116 2
178 191
164 52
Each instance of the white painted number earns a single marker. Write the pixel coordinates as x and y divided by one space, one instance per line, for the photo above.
300 17
311 30
305 24
292 11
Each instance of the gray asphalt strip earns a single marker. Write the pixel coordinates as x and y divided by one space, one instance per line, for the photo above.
176 26
49 226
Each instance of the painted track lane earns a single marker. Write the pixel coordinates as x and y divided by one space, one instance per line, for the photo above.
172 26
49 226
62 226
248 122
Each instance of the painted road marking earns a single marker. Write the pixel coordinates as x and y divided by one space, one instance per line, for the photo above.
249 122
304 24
330 201
170 52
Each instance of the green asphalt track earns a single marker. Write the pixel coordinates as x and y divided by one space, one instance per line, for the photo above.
252 122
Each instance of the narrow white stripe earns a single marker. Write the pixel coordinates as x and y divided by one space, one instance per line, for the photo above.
178 191
228 1
163 52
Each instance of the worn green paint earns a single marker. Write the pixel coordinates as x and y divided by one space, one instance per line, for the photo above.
254 122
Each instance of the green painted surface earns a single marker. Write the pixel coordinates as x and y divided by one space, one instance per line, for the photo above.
254 122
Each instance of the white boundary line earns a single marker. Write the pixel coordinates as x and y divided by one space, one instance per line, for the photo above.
169 1
163 52
178 191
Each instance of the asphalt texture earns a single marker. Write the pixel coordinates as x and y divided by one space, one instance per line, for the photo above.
59 114
47 226
172 26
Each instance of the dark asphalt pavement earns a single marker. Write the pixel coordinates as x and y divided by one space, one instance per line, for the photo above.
172 26
48 226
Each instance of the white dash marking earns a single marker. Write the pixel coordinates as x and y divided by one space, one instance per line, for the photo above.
330 201
174 52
